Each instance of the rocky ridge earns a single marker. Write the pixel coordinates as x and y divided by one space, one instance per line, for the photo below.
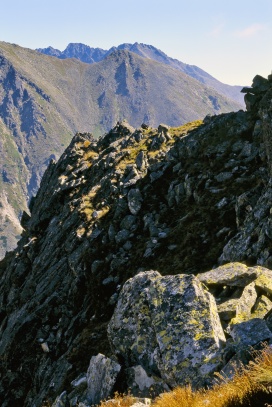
179 201
44 101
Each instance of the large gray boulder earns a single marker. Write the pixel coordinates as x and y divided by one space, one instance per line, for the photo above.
130 331
170 326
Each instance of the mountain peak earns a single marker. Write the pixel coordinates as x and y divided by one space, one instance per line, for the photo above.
91 55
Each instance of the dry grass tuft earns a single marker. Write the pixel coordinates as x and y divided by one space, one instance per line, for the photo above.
185 128
90 155
119 401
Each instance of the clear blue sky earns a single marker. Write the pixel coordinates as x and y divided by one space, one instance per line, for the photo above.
230 39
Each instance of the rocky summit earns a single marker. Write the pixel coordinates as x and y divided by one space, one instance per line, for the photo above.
145 264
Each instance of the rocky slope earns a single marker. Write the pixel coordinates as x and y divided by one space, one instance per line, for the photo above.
176 200
44 101
90 55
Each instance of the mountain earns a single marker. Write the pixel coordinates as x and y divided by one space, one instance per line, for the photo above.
45 100
118 258
90 55
76 50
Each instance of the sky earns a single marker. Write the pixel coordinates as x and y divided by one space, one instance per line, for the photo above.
229 39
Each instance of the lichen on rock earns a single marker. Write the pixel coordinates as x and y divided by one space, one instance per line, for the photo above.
168 325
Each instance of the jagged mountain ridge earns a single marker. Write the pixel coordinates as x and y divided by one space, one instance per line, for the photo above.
44 101
177 200
90 55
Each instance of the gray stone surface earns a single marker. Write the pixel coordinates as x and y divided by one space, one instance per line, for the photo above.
140 384
61 401
264 281
134 201
245 304
141 161
227 309
232 274
169 324
101 377
262 307
250 332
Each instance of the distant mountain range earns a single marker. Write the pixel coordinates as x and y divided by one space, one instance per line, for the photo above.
45 100
90 55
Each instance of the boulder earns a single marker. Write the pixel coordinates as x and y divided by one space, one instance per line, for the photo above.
242 293
125 128
79 386
163 129
227 309
141 161
144 126
101 377
168 325
181 306
231 367
250 333
140 384
264 281
134 201
260 83
128 222
262 307
231 274
245 304
130 330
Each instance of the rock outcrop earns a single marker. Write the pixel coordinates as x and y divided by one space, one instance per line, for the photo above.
129 202
43 104
168 325
169 331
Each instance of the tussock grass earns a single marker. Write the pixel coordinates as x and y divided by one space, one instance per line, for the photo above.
250 386
89 155
185 128
119 401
